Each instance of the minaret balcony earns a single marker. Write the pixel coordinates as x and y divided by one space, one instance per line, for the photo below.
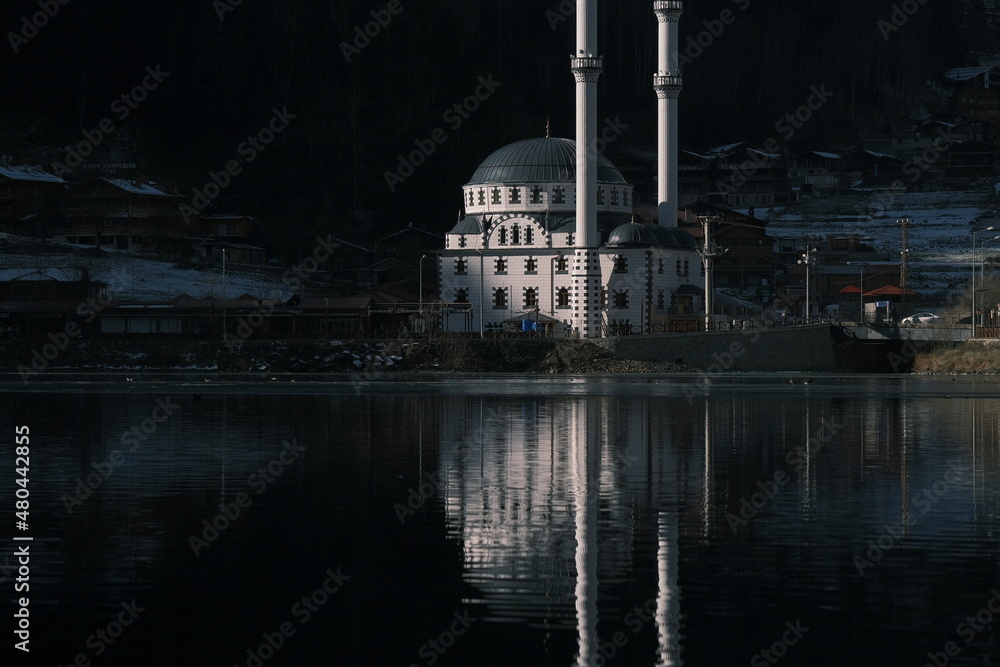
587 62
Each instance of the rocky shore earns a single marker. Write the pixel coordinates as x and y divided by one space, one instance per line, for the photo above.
310 356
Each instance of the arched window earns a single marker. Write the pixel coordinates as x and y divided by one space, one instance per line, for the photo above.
499 297
472 198
536 195
562 300
558 195
600 196
530 297
561 264
461 295
515 195
482 197
529 235
621 299
501 265
531 265
495 196
515 235
503 236
621 264
461 267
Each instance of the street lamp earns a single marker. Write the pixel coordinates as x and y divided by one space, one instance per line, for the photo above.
421 295
481 269
807 259
974 232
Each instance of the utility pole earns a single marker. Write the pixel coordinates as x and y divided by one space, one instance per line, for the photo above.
708 253
904 222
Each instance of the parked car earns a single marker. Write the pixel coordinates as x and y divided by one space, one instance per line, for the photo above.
921 318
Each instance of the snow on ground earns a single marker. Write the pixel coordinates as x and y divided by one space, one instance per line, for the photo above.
940 239
137 278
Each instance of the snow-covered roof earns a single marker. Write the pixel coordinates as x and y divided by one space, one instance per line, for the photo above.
29 174
828 156
33 275
134 188
967 73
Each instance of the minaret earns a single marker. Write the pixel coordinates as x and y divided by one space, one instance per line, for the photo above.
586 273
667 83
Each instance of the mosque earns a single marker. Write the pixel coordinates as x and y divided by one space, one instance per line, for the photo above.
547 240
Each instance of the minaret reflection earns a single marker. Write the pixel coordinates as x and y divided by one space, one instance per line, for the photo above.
668 592
585 461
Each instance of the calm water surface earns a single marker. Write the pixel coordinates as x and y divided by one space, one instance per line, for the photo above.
510 521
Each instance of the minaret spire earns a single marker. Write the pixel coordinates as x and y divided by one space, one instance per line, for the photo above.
667 82
586 265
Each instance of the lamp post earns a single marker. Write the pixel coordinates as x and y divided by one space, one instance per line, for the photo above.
421 295
974 232
807 259
481 268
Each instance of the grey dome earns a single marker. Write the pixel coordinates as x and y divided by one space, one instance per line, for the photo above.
632 234
674 237
468 225
537 161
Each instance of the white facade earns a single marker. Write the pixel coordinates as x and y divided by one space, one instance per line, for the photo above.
518 261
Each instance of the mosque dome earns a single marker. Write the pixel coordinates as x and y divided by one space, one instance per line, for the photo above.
543 160
674 237
468 225
631 235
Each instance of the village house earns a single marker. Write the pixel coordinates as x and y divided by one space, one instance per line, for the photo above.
29 201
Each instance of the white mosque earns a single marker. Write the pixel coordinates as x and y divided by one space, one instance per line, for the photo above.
548 234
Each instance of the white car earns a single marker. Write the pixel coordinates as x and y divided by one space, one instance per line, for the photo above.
921 318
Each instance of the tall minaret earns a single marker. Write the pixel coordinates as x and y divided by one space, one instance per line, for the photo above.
586 271
667 83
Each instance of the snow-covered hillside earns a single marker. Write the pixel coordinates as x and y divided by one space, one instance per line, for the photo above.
131 277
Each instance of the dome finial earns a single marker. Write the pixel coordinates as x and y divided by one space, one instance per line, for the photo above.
547 127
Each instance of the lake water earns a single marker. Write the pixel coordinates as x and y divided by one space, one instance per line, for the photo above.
504 520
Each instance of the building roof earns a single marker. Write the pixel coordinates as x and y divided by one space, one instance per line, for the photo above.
29 174
543 160
139 188
631 235
967 73
468 225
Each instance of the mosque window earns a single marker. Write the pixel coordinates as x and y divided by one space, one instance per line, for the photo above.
530 298
604 297
562 301
569 239
461 267
686 270
515 195
600 196
501 265
660 301
461 241
621 299
529 235
624 197
558 195
679 272
531 265
472 198
495 196
561 264
499 297
660 269
515 235
536 195
621 264
461 295
614 196
503 236
482 197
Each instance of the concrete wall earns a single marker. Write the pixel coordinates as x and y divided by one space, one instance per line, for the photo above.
802 348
